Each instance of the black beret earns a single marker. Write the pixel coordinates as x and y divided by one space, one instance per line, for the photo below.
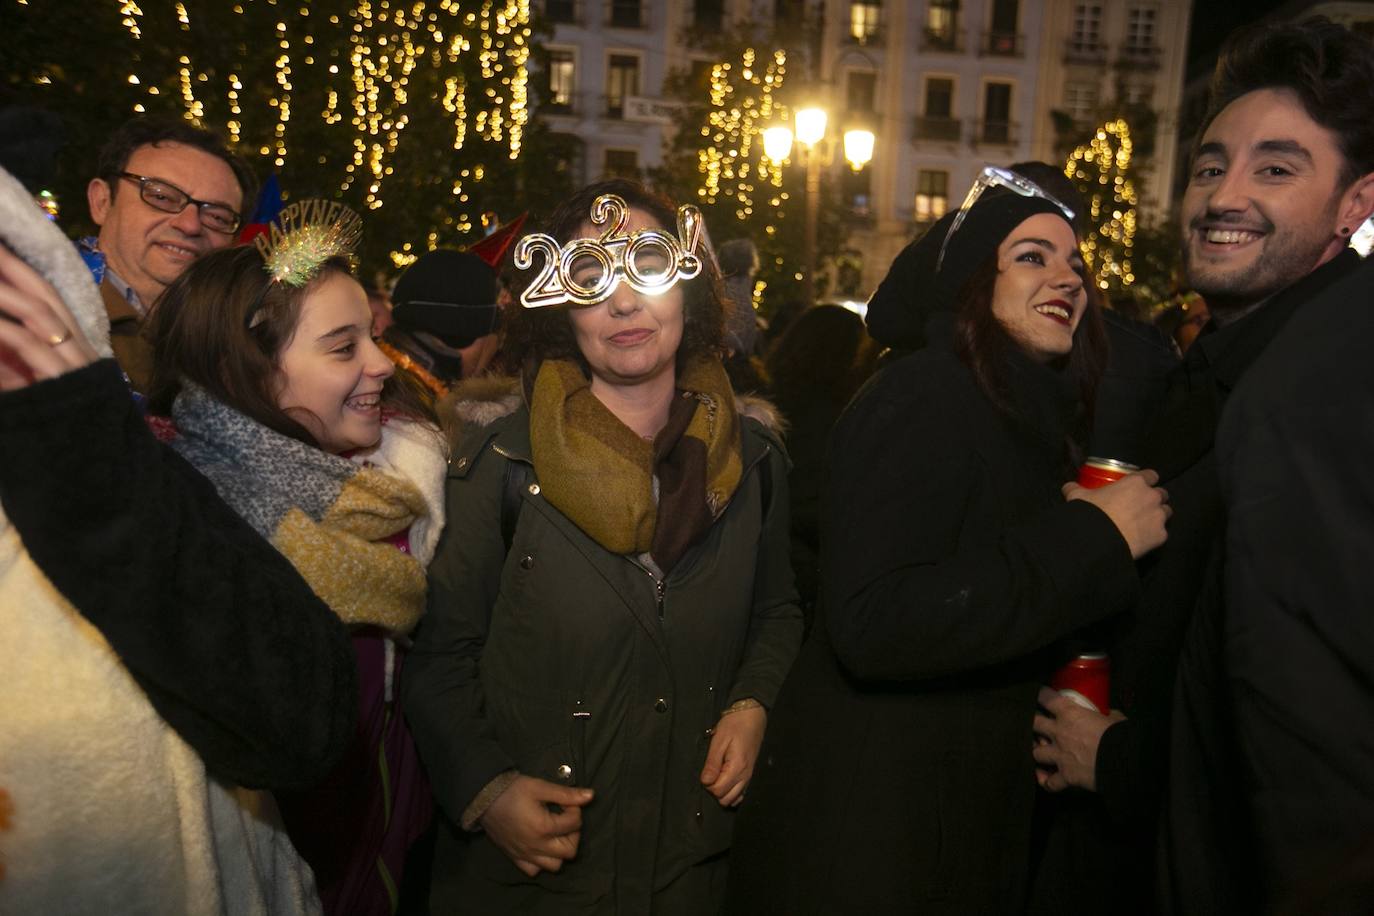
912 290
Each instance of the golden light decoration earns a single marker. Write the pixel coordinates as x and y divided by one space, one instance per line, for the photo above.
386 47
369 79
194 109
130 12
732 160
1104 163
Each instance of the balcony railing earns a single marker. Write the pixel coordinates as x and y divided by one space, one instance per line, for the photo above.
995 133
948 40
614 107
1084 51
626 14
553 105
1138 57
866 38
1003 44
947 130
563 12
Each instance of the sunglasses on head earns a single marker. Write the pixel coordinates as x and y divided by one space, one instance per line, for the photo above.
994 177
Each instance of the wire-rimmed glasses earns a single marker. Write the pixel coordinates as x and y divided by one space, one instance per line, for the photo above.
167 197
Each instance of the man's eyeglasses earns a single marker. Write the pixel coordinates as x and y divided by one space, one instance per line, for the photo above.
168 198
994 177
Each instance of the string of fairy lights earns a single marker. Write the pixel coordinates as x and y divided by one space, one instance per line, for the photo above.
368 80
1103 163
731 159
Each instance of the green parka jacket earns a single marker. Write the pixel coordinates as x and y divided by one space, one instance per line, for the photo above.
576 665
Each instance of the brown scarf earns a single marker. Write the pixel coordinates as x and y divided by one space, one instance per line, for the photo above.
600 473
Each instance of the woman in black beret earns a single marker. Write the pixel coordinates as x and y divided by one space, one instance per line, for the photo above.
897 775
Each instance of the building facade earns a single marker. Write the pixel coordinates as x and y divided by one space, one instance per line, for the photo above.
1116 57
946 86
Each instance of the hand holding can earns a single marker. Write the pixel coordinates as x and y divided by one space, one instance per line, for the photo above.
1133 502
1087 681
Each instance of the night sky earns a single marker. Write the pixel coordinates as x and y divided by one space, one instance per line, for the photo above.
1213 21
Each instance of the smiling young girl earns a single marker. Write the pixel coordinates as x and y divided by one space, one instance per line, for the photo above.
266 364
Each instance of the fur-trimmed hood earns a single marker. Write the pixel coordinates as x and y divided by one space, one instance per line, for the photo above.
484 400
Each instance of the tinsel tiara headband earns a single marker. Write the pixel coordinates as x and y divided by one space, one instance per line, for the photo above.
585 271
306 235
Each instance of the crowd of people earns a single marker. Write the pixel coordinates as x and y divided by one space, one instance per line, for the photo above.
512 591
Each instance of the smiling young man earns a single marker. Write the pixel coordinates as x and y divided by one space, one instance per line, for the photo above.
164 193
1281 179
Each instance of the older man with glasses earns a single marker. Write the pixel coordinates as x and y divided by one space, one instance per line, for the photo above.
164 193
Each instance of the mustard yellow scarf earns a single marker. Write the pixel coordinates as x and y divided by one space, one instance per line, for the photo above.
601 474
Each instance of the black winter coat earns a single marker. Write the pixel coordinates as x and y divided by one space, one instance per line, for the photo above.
1294 451
232 647
1102 848
897 774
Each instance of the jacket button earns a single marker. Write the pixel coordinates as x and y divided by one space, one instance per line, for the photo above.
527 562
564 772
462 463
534 489
660 705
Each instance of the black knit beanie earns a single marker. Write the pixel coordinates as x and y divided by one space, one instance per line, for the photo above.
912 290
450 294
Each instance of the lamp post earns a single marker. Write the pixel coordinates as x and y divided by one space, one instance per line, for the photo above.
810 125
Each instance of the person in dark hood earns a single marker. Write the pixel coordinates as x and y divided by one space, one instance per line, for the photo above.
895 776
445 317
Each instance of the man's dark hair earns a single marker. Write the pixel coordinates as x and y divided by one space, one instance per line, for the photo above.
1328 67
142 131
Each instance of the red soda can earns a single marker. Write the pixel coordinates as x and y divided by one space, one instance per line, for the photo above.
1098 472
1086 680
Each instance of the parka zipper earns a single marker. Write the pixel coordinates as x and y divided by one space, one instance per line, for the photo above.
661 584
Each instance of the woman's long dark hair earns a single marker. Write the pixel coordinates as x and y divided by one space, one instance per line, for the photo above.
825 351
534 335
200 332
986 347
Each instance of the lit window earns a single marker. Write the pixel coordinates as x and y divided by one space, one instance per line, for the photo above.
942 22
622 81
561 78
932 195
863 20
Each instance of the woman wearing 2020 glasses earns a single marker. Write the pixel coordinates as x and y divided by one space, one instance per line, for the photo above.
611 609
897 776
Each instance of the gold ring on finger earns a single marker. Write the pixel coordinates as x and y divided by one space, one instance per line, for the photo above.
57 340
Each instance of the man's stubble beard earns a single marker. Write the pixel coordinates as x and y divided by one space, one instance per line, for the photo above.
1236 291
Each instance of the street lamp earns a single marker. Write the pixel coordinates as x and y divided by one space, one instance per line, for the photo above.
810 125
777 143
858 148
